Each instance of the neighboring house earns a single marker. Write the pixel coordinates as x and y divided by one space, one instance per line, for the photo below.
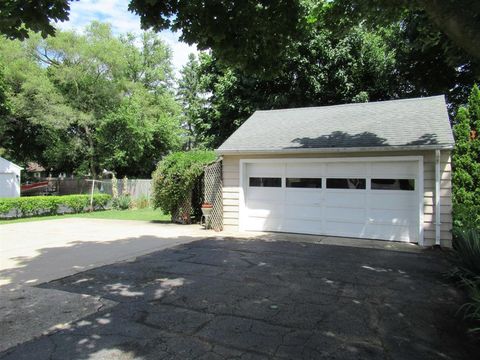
35 170
9 179
377 170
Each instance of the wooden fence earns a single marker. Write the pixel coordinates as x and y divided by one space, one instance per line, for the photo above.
135 187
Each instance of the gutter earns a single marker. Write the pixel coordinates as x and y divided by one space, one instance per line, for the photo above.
332 150
437 198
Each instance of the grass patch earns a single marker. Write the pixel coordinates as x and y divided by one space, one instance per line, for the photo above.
147 214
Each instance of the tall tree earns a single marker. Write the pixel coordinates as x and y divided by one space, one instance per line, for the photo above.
67 89
193 99
466 162
4 104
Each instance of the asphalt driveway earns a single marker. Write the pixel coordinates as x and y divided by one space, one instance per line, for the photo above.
254 299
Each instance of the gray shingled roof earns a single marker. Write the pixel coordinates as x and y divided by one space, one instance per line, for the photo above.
420 123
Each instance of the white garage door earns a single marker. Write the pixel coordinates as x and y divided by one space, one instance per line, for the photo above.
368 199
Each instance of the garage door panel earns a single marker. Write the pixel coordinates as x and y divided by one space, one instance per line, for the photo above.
265 194
304 226
392 217
264 212
393 201
394 169
344 169
348 198
304 197
303 212
339 228
346 214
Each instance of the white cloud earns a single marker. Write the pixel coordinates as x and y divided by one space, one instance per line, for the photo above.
116 13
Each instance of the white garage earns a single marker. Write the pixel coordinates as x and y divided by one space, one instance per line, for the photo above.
9 179
375 171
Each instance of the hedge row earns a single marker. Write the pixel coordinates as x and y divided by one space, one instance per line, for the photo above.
43 205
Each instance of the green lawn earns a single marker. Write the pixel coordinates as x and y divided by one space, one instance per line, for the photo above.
146 214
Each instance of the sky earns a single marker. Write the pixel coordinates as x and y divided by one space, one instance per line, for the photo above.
116 13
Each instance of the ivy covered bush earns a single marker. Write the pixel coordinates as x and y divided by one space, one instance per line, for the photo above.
50 205
176 183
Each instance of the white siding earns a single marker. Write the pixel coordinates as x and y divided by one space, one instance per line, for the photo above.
231 182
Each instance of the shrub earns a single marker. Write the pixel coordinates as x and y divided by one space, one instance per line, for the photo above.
466 216
466 164
466 270
175 179
122 202
466 254
38 205
100 201
142 202
472 308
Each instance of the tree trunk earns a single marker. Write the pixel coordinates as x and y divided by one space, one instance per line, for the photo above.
91 150
459 20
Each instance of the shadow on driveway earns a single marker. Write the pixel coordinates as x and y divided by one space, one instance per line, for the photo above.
253 299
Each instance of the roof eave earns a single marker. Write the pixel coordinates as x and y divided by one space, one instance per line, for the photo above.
333 150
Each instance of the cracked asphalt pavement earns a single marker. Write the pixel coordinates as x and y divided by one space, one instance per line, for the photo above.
254 299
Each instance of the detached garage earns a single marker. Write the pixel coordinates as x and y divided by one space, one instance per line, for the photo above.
372 170
9 179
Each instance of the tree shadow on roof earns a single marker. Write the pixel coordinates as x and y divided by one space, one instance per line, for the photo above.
425 139
340 139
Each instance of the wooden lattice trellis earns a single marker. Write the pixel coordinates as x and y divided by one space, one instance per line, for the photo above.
213 194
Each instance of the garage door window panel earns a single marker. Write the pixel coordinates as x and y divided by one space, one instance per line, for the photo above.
265 182
309 183
393 184
346 183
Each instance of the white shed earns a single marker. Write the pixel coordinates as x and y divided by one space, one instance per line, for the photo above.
9 179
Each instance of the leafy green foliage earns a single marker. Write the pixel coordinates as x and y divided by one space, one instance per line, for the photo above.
471 309
466 270
266 28
122 202
466 253
41 205
250 33
319 70
193 101
83 102
175 178
4 103
19 16
142 202
466 163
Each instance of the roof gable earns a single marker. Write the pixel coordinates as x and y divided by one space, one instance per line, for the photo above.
409 123
8 166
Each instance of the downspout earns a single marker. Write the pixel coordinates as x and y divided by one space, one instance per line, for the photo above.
437 197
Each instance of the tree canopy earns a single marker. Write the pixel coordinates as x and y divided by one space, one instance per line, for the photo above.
252 33
322 68
83 102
